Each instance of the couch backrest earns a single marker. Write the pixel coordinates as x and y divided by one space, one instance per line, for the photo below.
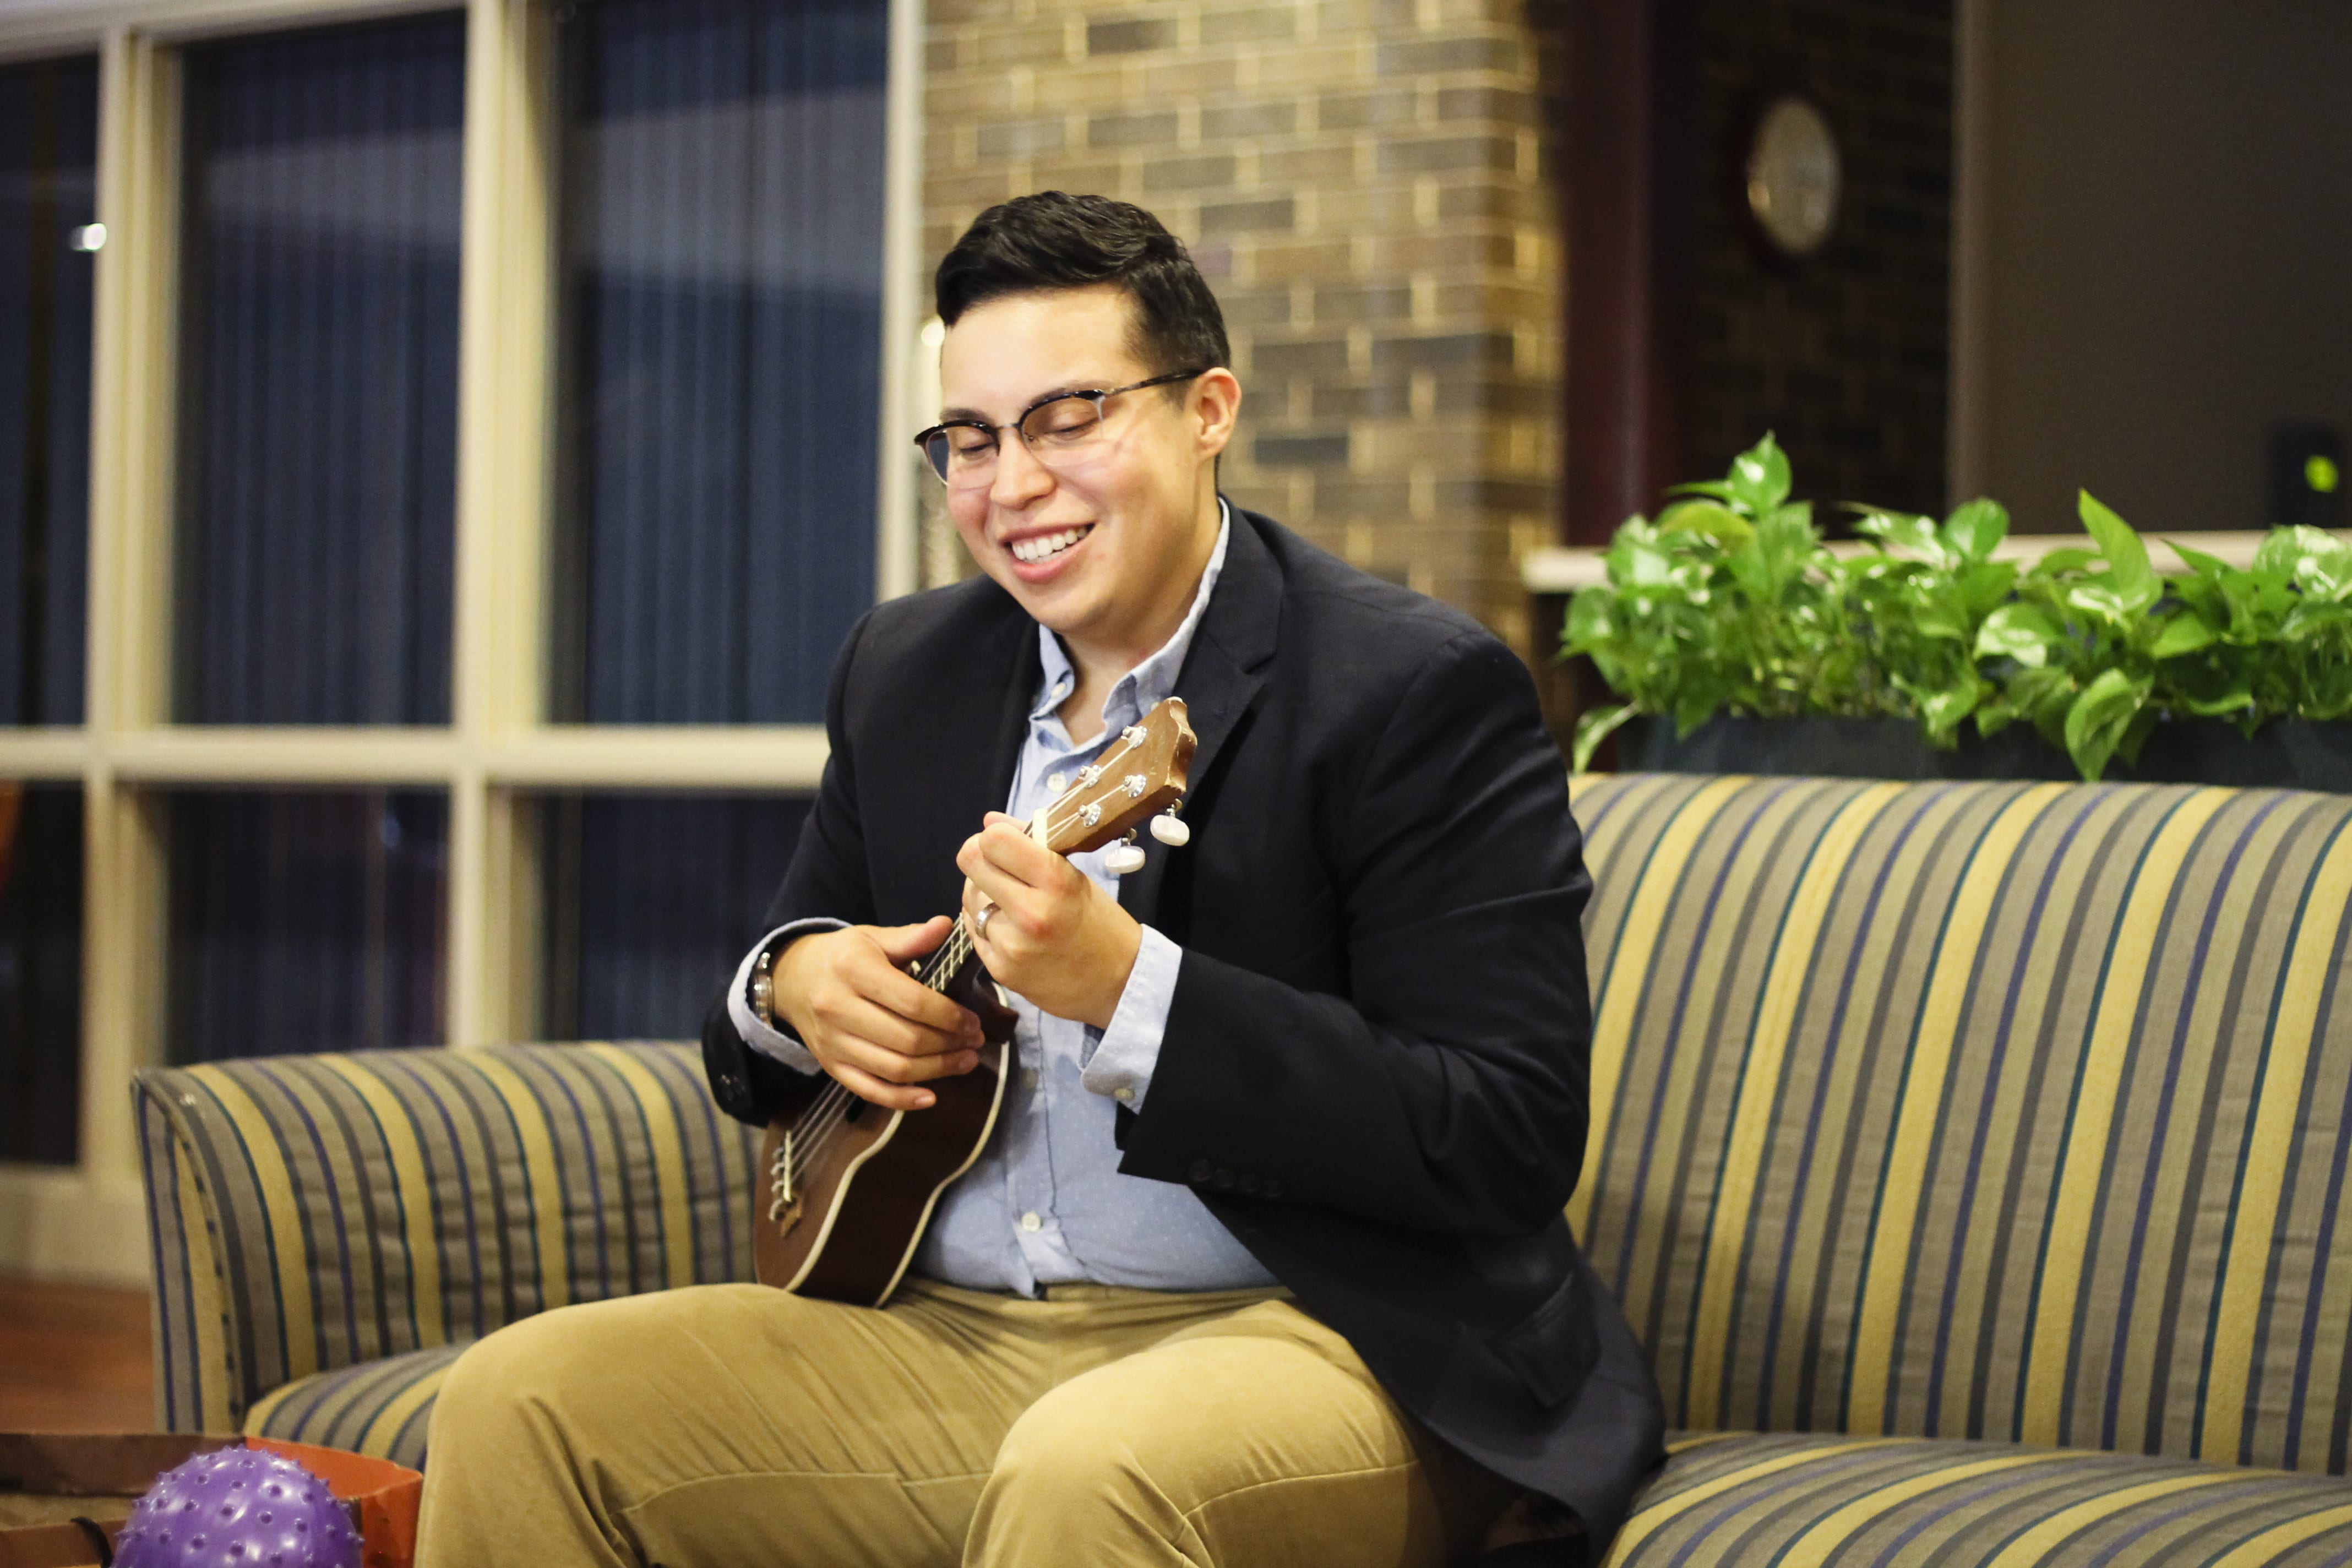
309 1213
1978 1109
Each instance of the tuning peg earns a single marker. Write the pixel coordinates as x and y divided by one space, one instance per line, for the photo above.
1171 830
1125 857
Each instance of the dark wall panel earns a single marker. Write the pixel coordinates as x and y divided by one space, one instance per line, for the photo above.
1844 355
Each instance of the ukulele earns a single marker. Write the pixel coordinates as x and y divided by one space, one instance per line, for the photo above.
851 1184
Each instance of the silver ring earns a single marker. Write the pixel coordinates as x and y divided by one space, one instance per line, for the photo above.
980 920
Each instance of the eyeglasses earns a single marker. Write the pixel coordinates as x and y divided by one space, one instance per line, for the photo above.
1057 430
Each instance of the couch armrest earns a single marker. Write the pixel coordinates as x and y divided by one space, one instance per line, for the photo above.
309 1213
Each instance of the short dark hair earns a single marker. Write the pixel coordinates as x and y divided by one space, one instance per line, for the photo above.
1054 240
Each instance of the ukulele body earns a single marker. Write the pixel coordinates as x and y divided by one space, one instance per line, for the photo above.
847 1225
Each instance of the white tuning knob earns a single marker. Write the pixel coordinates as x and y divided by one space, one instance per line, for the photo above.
1172 831
1123 859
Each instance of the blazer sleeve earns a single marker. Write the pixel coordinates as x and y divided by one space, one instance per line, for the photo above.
1446 1091
827 877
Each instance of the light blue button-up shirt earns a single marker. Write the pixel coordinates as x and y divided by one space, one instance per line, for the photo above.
1045 1203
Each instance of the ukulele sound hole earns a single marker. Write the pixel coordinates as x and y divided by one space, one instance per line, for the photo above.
857 1110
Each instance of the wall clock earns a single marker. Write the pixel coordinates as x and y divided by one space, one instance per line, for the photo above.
1794 176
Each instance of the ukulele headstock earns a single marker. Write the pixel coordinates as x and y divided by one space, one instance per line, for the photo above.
1138 776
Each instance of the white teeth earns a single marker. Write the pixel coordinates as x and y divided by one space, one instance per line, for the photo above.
1048 545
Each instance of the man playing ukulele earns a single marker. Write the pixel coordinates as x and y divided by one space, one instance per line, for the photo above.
1265 1262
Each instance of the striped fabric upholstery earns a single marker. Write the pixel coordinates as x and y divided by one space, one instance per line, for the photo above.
378 1408
312 1214
1800 1500
2000 1111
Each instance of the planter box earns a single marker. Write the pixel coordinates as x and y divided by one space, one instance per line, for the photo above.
2287 754
1835 748
2290 753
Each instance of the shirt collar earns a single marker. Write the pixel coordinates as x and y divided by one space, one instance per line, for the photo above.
1155 677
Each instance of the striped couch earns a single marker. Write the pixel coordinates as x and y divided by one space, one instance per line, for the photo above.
1967 1155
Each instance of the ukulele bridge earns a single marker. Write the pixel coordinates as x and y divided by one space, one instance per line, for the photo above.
783 1200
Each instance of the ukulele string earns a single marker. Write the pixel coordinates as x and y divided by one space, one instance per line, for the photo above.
832 1108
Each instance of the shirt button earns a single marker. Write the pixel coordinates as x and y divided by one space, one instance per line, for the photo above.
1031 1222
1028 1078
1055 781
1123 1094
1201 1169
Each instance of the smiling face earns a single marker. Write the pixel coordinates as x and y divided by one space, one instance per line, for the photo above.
1105 550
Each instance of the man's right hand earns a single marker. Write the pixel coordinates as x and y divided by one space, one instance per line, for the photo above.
876 1029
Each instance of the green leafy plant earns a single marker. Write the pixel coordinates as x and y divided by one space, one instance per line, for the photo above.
1730 602
2098 647
1924 598
2076 651
2280 633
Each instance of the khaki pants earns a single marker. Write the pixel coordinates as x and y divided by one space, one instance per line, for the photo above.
736 1425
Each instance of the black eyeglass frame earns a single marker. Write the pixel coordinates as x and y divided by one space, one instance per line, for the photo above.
938 464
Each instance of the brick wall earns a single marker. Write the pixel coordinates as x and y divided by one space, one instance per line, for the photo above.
1364 182
1844 355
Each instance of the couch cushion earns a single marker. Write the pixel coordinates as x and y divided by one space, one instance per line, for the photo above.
2006 1110
378 1408
1891 1502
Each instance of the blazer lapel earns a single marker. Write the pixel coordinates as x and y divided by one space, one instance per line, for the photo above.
1221 673
972 740
1012 716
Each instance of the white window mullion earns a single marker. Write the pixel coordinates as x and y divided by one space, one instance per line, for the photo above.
132 380
135 382
503 438
898 558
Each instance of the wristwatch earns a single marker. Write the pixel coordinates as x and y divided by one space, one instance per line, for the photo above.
763 996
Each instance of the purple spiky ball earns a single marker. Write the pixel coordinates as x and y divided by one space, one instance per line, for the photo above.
239 1508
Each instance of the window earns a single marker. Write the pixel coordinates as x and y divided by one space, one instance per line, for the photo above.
40 971
379 589
722 298
306 921
320 368
48 153
652 900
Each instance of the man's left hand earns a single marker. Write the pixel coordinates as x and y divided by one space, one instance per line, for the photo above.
1056 938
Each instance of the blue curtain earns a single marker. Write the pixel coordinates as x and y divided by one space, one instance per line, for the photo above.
40 973
320 309
722 267
306 921
48 155
652 900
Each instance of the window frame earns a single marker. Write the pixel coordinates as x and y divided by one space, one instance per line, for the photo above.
498 751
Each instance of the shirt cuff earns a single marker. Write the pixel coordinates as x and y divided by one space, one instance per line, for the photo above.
772 1042
1120 1060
